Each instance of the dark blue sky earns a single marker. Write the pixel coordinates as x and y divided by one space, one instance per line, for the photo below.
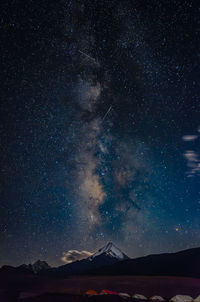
99 128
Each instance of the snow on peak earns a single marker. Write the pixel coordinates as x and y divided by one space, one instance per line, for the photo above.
110 250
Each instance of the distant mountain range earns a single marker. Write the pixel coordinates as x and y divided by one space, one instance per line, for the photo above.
110 260
36 267
105 256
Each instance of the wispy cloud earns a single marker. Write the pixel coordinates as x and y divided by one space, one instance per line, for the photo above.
74 255
192 157
189 138
193 163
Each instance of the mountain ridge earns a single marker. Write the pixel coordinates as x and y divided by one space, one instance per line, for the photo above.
110 260
181 263
107 255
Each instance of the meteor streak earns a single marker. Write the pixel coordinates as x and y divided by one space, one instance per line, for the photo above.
107 112
83 53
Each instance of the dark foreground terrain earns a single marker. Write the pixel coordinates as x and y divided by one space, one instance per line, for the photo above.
28 287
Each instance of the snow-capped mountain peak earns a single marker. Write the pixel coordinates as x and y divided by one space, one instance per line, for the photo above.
110 250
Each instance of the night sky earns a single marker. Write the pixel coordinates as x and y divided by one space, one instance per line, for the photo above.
99 128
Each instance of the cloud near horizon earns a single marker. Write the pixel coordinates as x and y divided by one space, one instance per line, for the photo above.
192 156
74 255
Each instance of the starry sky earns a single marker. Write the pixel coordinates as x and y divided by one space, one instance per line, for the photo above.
99 128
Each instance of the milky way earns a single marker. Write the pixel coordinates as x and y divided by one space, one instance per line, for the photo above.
108 171
99 128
